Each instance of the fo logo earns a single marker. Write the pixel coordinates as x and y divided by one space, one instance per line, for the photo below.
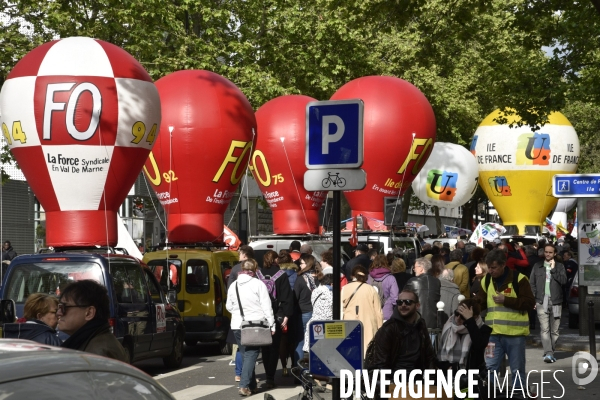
533 149
499 186
441 185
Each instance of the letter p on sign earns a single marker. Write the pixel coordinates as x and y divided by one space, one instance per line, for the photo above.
329 120
334 134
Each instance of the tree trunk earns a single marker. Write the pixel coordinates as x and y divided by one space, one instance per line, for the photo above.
438 220
406 203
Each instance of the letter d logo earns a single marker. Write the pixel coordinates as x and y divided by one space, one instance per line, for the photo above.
580 364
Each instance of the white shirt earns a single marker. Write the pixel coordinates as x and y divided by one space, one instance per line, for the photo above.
255 300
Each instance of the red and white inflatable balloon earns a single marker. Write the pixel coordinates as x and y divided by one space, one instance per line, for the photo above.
395 110
80 116
207 132
278 165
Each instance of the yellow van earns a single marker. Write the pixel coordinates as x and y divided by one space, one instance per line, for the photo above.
195 278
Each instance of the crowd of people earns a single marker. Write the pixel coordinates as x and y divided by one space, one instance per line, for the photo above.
492 297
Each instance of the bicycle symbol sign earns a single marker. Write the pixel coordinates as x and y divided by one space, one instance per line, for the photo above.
334 179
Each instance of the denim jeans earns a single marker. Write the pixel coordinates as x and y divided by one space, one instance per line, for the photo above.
548 329
249 356
238 362
514 347
300 329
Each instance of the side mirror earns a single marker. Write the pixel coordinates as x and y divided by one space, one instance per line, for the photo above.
172 296
7 311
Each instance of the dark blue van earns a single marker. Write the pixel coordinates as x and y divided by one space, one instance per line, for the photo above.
143 320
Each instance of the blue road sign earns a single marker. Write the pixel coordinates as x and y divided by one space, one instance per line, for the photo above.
334 134
576 185
335 345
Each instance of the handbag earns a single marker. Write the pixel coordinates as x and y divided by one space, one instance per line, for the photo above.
254 333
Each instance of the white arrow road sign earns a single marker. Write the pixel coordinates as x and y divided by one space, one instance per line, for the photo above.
335 345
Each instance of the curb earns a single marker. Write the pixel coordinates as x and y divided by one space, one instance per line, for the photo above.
581 344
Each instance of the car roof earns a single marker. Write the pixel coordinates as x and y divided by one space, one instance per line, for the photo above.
73 256
23 359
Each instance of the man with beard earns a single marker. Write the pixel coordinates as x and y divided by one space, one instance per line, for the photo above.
402 343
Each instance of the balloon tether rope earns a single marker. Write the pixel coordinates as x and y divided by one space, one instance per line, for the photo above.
400 188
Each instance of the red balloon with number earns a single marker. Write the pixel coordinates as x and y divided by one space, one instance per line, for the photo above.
205 142
278 165
399 132
80 116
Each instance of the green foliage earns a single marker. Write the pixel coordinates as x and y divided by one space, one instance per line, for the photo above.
468 57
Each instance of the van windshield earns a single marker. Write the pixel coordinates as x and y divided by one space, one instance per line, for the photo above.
48 277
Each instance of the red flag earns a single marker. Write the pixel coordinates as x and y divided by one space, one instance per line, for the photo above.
231 238
353 236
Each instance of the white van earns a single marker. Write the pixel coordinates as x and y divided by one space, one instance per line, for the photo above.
320 244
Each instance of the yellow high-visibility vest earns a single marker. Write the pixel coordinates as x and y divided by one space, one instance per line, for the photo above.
504 320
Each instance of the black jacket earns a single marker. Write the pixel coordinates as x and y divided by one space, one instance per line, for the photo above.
32 330
428 290
234 274
401 279
8 254
285 296
389 344
302 295
361 259
480 338
558 277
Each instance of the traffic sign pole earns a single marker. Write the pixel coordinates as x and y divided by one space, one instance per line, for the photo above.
337 256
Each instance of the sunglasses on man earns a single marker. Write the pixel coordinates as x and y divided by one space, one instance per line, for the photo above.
408 302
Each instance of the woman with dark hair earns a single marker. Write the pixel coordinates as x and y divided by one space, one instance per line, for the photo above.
327 261
478 254
464 337
322 302
437 266
360 302
283 309
303 288
381 278
287 346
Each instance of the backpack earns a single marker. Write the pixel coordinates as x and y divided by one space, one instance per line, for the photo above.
379 286
269 282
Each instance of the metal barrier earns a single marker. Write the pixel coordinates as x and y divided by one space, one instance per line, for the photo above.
592 328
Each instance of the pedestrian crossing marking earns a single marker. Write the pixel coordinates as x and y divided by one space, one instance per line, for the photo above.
179 371
198 391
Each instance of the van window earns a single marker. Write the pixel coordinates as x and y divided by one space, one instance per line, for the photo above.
139 291
48 277
155 292
159 269
196 279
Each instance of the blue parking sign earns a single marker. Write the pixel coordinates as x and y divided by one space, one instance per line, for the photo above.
334 134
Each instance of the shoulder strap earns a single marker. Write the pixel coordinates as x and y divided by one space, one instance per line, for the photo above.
352 295
516 282
239 302
277 275
320 294
486 282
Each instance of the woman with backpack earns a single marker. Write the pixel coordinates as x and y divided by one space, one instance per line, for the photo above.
287 346
303 288
381 278
360 302
282 301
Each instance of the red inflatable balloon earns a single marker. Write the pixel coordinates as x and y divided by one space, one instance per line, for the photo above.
278 165
395 110
202 152
80 116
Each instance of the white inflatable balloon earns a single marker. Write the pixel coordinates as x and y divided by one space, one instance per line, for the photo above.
560 212
448 178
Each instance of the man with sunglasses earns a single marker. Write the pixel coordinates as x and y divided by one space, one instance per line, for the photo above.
403 342
83 312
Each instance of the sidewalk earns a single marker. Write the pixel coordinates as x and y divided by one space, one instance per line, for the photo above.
569 339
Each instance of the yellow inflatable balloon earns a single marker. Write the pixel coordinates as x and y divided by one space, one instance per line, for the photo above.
516 167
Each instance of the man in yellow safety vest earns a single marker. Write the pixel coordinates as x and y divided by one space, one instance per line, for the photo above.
507 296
